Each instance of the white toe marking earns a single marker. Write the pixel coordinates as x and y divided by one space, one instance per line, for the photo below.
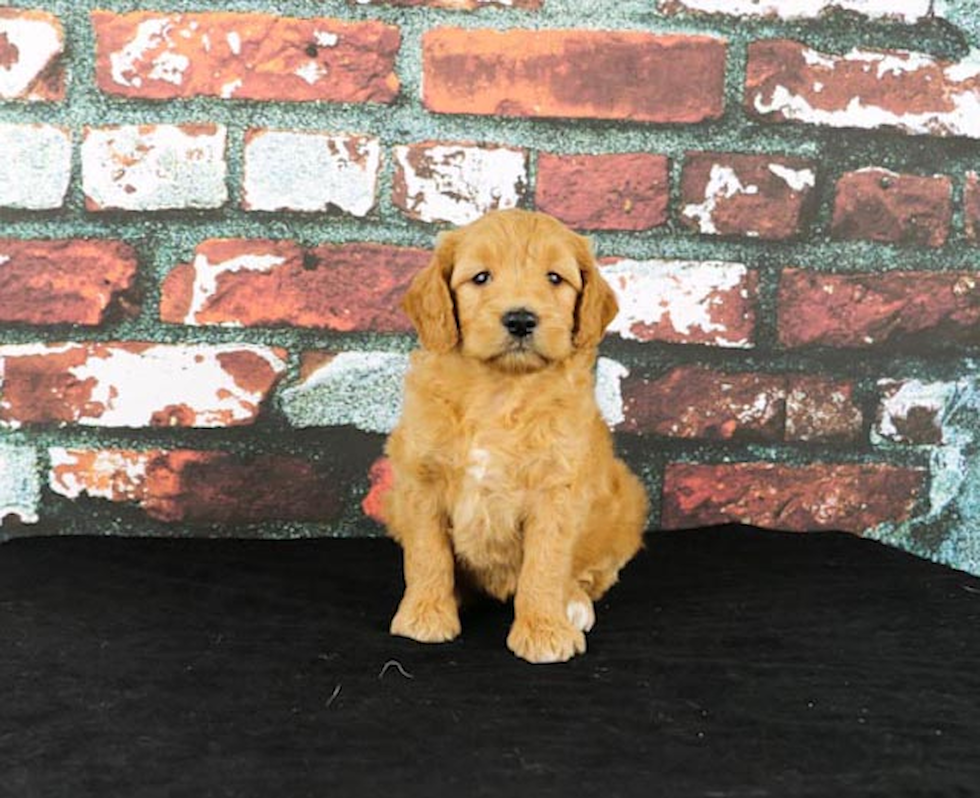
581 614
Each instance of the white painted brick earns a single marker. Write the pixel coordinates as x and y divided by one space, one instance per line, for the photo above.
311 171
113 474
682 301
35 166
20 485
902 399
154 167
135 385
953 111
458 183
34 40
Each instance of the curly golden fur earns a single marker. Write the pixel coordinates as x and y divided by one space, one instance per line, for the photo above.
504 472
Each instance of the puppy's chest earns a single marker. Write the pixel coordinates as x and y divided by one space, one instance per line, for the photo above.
505 457
487 509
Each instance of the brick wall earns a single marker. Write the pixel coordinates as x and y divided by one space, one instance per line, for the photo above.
208 219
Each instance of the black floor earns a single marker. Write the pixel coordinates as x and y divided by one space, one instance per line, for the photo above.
727 663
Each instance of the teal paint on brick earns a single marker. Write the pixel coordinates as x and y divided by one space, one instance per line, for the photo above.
947 529
361 389
20 485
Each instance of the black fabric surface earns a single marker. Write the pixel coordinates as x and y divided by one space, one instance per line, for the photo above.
728 662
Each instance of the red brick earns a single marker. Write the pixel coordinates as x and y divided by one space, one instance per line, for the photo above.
130 384
32 48
199 486
628 191
455 5
574 74
697 402
879 205
849 498
971 207
80 281
910 92
380 477
821 410
759 196
162 55
866 309
258 282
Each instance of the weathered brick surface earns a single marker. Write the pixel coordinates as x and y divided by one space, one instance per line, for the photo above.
912 411
880 205
914 93
574 74
154 167
820 410
78 281
198 486
700 402
136 384
867 309
356 389
628 191
244 56
255 282
457 182
211 181
310 171
381 478
759 196
20 485
36 166
905 11
971 208
32 48
363 389
684 302
849 498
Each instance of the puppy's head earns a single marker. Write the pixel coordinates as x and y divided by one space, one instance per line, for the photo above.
516 290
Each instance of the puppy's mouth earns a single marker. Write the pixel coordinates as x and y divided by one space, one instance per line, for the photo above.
520 354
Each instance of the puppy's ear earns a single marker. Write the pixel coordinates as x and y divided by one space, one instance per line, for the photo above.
429 302
597 305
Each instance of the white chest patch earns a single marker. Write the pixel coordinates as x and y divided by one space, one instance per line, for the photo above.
477 464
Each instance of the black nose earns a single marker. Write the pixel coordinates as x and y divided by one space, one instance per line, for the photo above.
520 323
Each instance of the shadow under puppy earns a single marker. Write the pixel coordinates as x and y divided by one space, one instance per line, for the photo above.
504 472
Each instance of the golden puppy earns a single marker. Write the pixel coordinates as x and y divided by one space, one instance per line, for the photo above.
504 473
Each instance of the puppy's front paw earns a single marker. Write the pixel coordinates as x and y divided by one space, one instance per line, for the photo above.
427 621
544 640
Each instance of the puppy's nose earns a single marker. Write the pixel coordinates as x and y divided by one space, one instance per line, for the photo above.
520 323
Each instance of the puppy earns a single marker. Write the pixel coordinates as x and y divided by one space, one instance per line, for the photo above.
504 473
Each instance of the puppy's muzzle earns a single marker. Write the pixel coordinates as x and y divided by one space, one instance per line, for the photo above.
520 322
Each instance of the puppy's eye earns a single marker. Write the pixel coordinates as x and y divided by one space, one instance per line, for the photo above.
482 278
555 279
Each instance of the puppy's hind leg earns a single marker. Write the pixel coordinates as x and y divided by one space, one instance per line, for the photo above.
429 611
